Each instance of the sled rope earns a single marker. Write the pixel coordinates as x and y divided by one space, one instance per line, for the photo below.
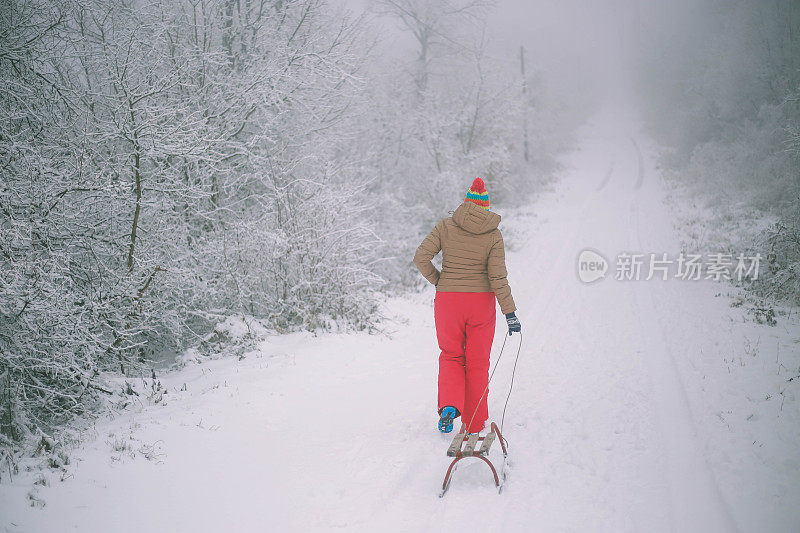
486 389
510 387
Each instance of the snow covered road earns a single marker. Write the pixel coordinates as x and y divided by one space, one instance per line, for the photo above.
613 424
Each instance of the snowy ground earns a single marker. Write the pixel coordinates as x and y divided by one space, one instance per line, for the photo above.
637 406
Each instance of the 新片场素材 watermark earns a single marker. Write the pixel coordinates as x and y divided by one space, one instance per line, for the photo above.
593 266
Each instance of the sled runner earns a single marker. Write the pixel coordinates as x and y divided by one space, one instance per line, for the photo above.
464 445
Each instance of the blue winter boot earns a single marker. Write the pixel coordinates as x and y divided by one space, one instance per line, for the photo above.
446 416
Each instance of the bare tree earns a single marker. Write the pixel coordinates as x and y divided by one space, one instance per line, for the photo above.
433 24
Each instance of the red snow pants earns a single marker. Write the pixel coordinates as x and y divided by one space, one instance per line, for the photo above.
465 329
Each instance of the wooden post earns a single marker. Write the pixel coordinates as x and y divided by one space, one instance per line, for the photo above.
524 100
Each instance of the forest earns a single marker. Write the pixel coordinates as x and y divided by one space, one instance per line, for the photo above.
725 98
166 164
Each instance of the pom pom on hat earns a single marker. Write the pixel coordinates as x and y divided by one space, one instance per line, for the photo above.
478 194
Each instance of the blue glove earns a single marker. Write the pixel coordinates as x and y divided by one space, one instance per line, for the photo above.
513 323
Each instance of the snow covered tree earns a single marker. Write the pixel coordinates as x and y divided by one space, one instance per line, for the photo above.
164 163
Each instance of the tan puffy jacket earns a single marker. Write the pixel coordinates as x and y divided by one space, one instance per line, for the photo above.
473 255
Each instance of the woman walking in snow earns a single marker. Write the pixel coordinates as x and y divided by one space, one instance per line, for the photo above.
473 275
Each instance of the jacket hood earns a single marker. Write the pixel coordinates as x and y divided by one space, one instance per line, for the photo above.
475 219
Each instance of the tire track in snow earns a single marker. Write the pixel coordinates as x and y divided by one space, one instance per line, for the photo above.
557 458
627 449
697 503
640 160
607 177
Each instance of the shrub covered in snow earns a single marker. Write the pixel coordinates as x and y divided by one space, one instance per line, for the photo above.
159 160
726 100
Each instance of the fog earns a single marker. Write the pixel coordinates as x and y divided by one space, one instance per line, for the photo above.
591 45
175 171
597 46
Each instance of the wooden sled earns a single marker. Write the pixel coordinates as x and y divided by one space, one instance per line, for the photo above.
464 445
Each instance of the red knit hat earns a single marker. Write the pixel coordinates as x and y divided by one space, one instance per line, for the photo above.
478 194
